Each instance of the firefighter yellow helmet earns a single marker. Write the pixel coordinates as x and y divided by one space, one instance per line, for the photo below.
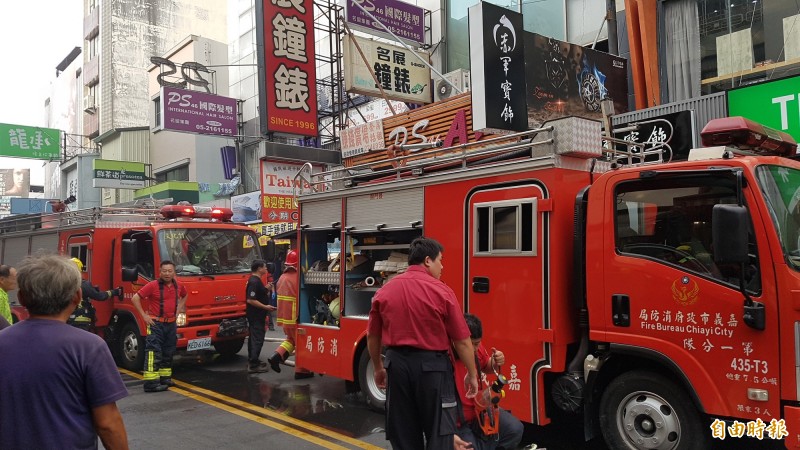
78 263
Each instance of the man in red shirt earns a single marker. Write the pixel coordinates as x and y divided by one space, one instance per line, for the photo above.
511 429
166 298
418 319
287 315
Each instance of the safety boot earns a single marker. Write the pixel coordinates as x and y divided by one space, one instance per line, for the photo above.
153 387
275 362
167 381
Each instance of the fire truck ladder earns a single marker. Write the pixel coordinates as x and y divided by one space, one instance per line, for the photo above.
411 163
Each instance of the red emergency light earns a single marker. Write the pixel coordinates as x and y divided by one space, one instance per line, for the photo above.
745 134
176 212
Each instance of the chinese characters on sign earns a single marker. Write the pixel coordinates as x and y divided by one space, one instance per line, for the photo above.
118 174
362 139
278 191
676 129
401 75
197 112
775 429
406 21
286 29
497 64
29 142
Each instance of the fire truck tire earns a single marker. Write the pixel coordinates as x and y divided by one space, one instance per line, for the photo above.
229 348
130 348
375 396
644 410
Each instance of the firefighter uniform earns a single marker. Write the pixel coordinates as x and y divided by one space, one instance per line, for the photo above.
161 338
287 290
416 317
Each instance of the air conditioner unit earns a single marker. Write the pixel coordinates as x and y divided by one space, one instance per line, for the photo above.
88 104
460 78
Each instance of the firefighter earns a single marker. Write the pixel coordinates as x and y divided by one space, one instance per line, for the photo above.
257 298
287 315
510 429
166 299
83 316
418 317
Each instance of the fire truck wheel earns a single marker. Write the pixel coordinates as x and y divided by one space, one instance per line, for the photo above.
229 348
130 348
644 410
375 396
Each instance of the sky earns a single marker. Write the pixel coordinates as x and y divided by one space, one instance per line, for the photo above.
35 36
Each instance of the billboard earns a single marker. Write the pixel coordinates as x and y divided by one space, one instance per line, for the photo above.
497 66
565 79
657 131
197 112
287 74
118 174
278 190
775 104
30 206
401 75
406 21
15 182
361 138
20 141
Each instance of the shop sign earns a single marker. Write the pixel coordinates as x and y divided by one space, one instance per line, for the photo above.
117 174
20 141
362 138
775 104
406 21
197 112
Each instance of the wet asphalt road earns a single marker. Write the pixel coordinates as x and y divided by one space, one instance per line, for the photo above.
325 403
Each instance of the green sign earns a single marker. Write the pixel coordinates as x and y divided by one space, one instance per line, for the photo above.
20 141
118 174
775 104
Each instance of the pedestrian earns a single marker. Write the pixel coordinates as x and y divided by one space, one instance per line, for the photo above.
8 282
417 317
257 295
62 387
510 430
287 315
267 279
166 299
84 315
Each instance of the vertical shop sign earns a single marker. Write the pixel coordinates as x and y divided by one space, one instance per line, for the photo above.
286 66
498 69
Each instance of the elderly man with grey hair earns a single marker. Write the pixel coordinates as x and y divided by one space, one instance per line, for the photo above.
58 384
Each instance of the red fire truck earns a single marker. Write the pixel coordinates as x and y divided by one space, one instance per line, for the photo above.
659 300
124 247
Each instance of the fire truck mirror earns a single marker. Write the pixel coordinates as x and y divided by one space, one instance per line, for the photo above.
130 254
130 274
729 233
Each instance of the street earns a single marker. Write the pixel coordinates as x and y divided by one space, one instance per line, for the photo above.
217 404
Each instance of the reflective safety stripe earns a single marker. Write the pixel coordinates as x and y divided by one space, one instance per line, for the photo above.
149 362
286 345
165 372
449 405
149 376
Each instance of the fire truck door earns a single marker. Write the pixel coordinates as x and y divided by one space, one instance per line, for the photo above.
666 295
505 284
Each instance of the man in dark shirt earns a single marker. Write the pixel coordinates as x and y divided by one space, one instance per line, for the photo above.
62 387
257 295
84 315
417 317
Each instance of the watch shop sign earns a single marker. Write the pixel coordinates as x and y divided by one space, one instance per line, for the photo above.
197 112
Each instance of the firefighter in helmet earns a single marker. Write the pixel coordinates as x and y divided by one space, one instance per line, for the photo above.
287 290
84 314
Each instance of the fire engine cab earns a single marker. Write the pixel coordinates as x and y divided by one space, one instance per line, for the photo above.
124 247
659 300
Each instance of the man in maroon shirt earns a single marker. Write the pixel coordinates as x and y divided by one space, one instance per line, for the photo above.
418 318
166 298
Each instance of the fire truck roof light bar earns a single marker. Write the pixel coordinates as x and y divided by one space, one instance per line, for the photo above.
745 134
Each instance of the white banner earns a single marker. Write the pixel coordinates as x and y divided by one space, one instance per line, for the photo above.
362 139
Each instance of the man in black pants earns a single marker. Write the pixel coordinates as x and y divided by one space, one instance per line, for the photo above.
417 317
258 307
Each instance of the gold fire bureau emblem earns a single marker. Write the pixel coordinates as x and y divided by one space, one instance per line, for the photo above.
681 292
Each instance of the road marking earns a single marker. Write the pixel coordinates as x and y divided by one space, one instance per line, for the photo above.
239 405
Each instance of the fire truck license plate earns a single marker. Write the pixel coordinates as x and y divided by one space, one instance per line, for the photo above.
199 344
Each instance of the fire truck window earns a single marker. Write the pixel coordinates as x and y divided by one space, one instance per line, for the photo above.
144 252
670 221
505 228
527 227
482 230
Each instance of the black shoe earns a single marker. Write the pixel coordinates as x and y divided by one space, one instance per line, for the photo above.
261 367
275 362
303 375
156 388
167 382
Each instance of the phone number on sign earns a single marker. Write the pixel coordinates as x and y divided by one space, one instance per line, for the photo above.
220 130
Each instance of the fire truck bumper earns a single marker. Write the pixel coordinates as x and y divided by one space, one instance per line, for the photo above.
792 416
232 327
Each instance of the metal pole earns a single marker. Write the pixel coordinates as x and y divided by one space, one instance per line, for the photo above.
404 45
611 17
371 72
